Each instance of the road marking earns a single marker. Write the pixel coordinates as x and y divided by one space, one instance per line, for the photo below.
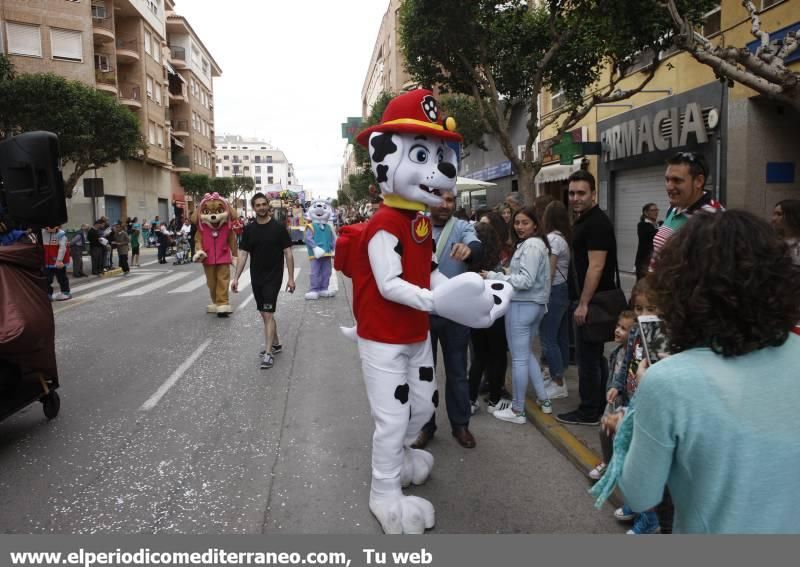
191 286
155 285
129 281
155 398
245 302
69 305
333 284
148 263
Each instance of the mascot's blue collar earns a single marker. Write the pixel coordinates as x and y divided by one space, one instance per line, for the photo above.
398 202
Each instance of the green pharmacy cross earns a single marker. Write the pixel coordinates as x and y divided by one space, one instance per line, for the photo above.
567 149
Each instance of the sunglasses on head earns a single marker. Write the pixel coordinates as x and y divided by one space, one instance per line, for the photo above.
692 157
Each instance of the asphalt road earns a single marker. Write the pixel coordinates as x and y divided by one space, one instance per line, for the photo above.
168 425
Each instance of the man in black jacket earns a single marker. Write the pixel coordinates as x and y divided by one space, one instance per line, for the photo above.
96 249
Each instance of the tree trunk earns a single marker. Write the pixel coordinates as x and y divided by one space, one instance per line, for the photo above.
527 185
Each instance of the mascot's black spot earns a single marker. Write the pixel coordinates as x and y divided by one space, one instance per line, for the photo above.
434 266
383 146
435 399
399 249
401 393
448 169
497 286
497 300
382 171
426 373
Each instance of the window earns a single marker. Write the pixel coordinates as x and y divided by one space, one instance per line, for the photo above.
99 10
258 180
226 157
769 3
269 180
246 158
149 87
66 44
157 50
158 94
152 6
269 159
269 169
258 169
24 39
258 159
102 62
152 133
712 22
160 136
226 168
205 67
247 168
236 169
148 42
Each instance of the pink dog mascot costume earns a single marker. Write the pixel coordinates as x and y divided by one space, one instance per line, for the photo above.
215 246
396 284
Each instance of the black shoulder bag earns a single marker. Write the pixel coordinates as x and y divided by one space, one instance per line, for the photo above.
604 310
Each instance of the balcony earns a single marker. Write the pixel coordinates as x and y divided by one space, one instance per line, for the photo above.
106 79
180 128
127 49
178 92
177 57
130 94
102 30
181 163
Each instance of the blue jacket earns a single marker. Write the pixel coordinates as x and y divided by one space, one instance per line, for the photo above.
462 233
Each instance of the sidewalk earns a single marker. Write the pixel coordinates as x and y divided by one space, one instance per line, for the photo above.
145 255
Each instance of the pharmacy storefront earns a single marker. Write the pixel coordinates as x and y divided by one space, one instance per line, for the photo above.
636 145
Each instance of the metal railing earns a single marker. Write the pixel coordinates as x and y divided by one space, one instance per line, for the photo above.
130 91
177 89
105 23
129 42
106 76
181 160
180 126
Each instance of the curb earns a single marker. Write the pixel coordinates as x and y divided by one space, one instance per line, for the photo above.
567 444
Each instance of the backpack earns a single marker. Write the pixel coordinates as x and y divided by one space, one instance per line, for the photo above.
347 248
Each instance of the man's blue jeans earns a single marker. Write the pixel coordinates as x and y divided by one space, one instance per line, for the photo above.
454 339
555 331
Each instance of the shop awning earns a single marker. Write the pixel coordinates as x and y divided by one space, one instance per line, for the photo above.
558 172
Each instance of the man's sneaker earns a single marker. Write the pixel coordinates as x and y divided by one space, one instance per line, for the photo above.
597 473
646 523
556 392
574 418
624 514
545 406
275 350
510 416
267 362
500 405
64 296
474 407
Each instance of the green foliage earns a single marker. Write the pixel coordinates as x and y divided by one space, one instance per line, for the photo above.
465 110
375 113
334 203
93 129
222 185
6 69
241 185
342 198
359 185
195 184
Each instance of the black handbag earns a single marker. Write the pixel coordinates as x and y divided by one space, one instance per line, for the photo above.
604 310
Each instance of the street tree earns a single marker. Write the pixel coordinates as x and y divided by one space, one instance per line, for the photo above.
93 129
195 184
240 186
506 54
222 185
764 71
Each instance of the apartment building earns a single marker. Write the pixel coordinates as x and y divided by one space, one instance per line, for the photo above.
267 165
119 47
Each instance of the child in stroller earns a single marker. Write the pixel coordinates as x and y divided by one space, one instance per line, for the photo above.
182 249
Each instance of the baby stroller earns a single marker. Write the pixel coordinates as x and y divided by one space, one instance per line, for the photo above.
152 239
182 250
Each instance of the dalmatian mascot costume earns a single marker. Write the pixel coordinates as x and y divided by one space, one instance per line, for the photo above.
320 239
396 284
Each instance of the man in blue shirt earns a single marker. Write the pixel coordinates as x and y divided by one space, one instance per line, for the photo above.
456 246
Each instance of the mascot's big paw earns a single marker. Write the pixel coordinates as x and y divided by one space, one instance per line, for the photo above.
224 310
400 514
417 465
211 308
488 300
199 256
318 252
327 293
312 295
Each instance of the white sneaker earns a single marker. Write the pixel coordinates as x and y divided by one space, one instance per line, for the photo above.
510 416
474 407
597 472
503 403
555 392
545 406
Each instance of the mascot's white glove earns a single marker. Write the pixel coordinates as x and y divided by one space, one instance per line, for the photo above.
318 252
472 301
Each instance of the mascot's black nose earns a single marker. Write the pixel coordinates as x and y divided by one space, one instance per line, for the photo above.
448 169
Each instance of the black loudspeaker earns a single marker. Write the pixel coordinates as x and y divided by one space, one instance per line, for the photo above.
93 187
31 182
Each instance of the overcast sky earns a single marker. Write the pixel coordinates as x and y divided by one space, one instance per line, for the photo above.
292 72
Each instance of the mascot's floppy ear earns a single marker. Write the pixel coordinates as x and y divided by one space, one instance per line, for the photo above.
385 154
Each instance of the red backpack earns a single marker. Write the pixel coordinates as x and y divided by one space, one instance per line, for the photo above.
347 248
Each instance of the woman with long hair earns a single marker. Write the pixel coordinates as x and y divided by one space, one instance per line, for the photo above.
501 229
488 345
646 231
717 421
555 332
786 220
529 275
